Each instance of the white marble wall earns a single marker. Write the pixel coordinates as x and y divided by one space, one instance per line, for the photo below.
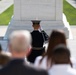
41 9
17 11
59 9
48 11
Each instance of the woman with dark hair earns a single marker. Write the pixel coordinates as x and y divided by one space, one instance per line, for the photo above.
56 38
60 61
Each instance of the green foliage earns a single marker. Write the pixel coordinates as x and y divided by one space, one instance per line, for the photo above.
5 17
70 12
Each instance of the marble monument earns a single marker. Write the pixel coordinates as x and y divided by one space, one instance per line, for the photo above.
50 12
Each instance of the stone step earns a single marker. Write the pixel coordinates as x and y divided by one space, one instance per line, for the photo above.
48 30
48 26
26 23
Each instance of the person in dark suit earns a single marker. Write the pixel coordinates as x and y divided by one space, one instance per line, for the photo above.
39 36
19 46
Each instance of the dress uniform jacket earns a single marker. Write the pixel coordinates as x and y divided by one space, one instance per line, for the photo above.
19 67
38 39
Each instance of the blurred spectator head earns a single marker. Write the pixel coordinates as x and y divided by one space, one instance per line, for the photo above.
56 38
0 48
20 43
4 59
60 55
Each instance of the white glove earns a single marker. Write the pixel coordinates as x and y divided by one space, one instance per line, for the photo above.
41 29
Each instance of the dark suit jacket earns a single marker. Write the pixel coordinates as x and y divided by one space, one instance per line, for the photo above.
18 67
37 42
37 39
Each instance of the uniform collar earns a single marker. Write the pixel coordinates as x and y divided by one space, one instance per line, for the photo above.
37 30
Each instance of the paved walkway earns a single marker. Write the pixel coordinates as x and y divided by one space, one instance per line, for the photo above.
2 30
72 2
4 4
73 29
72 42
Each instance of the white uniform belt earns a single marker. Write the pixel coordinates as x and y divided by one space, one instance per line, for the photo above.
37 48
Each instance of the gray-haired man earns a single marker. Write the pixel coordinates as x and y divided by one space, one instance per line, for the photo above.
20 46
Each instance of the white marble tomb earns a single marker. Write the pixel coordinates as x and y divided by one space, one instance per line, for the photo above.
50 12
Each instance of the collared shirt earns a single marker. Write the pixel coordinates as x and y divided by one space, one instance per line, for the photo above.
64 69
43 64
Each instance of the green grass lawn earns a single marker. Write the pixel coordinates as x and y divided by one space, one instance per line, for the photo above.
5 17
69 11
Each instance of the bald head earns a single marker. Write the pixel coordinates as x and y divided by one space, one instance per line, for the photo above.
20 40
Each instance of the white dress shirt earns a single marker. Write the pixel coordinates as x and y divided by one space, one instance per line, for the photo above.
61 70
73 60
43 64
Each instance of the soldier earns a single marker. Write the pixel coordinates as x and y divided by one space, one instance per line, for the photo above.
38 38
